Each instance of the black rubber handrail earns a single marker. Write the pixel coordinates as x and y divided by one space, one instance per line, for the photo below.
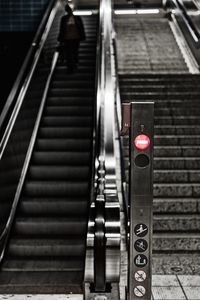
5 114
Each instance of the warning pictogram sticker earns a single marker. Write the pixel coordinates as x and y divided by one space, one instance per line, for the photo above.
139 291
141 245
140 276
141 230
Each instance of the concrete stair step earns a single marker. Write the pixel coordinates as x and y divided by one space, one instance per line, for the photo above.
176 223
180 242
177 120
176 205
177 176
176 190
177 130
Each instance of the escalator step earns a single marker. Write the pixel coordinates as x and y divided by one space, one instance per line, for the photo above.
46 247
27 282
53 206
72 92
78 145
68 111
67 121
70 101
64 132
46 226
61 158
45 264
61 172
55 189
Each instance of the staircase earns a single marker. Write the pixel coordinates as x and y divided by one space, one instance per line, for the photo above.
177 156
146 45
46 250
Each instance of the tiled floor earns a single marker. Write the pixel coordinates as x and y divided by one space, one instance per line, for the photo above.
176 287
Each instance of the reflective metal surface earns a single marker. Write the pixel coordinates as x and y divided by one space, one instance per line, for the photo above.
105 156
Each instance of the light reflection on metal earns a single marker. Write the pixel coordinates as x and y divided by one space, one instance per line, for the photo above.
106 184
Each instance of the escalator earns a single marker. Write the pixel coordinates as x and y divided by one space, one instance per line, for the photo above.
46 249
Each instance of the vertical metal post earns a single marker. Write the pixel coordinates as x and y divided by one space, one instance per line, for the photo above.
141 200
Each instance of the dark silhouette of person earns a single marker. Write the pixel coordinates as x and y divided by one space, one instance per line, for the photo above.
70 34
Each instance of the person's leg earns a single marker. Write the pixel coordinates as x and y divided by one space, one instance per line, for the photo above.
69 55
76 51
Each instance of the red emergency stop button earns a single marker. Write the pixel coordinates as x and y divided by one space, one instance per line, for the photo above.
142 142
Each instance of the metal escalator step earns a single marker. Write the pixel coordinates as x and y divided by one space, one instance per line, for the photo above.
72 92
70 263
78 145
86 84
76 122
65 132
75 77
19 247
70 101
61 158
50 226
55 173
53 206
55 189
29 282
68 111
37 247
81 70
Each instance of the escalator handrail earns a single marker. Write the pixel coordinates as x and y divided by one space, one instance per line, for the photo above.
187 20
26 82
6 232
119 125
18 84
105 156
99 228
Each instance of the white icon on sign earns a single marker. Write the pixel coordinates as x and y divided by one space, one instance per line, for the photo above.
140 260
141 230
141 245
140 276
139 291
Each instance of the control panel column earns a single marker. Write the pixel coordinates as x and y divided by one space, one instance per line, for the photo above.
140 200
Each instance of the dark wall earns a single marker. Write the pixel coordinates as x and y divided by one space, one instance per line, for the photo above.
21 15
13 49
19 20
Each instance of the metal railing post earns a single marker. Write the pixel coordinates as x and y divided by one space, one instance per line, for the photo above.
140 200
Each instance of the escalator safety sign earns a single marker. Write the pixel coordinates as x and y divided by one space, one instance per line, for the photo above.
139 291
140 276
